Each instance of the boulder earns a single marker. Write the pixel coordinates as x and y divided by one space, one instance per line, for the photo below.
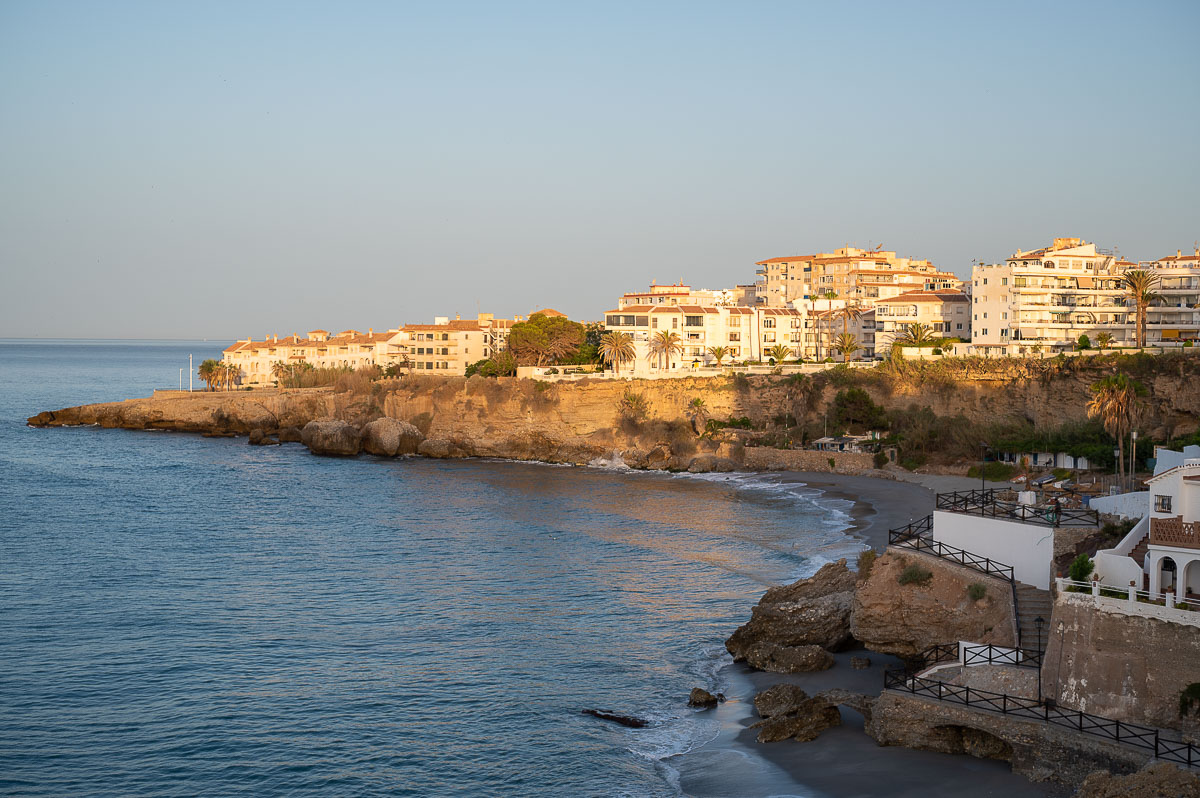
860 702
1156 780
260 437
810 612
290 435
389 437
860 663
703 699
624 720
788 659
904 620
440 448
710 463
331 438
779 699
803 722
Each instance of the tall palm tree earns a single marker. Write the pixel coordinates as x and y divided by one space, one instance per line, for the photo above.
915 335
846 345
1103 341
718 353
208 372
1115 402
1139 287
280 371
779 353
850 311
663 344
616 348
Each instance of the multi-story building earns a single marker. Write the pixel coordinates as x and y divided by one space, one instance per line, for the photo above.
857 275
347 349
946 312
448 346
680 294
1047 298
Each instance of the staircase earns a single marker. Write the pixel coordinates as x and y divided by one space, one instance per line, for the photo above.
1031 604
1139 551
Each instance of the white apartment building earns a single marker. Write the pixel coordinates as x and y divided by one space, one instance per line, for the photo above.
680 294
946 312
1049 297
857 275
347 349
448 346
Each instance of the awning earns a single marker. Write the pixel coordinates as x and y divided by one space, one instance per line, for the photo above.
1170 333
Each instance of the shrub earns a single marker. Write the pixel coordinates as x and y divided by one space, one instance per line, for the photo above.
1188 343
866 560
937 350
995 471
1081 568
551 371
1189 698
832 463
854 409
632 407
740 381
880 460
976 591
915 575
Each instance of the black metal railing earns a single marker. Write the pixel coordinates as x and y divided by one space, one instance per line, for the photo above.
1144 737
921 528
986 503
981 654
985 565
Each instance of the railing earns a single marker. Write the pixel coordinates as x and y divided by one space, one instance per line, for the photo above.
1132 734
1174 532
984 503
916 542
922 528
979 654
1131 594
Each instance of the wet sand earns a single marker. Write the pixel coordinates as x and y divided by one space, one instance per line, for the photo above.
843 762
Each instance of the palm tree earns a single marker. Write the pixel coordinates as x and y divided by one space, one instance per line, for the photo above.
664 344
233 375
846 345
1103 341
718 352
1115 402
847 313
915 335
779 353
697 413
617 348
208 372
1139 287
280 371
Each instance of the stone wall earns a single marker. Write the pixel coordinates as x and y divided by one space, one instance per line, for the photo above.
1119 664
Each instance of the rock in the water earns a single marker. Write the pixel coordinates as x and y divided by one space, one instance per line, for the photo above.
290 435
624 720
804 722
861 703
860 663
260 437
704 699
440 448
811 612
1156 780
788 659
331 438
389 437
779 699
711 463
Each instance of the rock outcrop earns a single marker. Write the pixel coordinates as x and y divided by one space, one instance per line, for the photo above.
389 437
331 438
703 699
441 449
1156 780
810 612
788 659
260 437
906 619
790 714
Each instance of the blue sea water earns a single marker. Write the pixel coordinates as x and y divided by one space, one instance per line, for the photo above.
191 616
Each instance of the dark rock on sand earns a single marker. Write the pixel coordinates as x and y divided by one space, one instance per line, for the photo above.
624 720
1156 780
704 699
218 434
331 438
290 435
861 703
811 612
860 663
389 437
788 659
791 714
711 463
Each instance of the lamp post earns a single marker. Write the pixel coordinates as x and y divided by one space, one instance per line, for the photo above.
982 463
191 371
181 379
1132 456
1039 621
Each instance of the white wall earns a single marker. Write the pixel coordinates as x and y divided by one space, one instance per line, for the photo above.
1028 548
1126 505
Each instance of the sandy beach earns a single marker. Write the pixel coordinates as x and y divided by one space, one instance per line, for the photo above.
843 761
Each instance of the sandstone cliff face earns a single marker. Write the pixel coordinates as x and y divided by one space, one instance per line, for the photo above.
904 620
1119 665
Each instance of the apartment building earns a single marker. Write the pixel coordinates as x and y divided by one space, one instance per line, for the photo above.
857 275
680 294
347 349
448 346
1049 297
946 312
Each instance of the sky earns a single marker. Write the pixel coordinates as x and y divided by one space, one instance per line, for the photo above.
233 169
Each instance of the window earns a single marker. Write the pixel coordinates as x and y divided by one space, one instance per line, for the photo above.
1162 504
654 322
985 281
693 321
1003 281
735 321
769 338
735 336
674 322
768 323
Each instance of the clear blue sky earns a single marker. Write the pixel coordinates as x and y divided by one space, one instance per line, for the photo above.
223 169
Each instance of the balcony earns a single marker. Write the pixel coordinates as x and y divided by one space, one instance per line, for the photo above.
987 503
1175 532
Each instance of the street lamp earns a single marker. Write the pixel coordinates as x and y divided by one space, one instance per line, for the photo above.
1132 457
1041 654
982 464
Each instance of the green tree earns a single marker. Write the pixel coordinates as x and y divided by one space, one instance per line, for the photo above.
846 345
854 410
1083 343
209 371
545 339
779 353
697 412
616 348
718 353
1103 341
1139 287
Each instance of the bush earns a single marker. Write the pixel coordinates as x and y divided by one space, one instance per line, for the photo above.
853 409
740 381
832 464
633 407
551 371
937 350
976 591
915 575
866 560
880 460
995 471
1081 568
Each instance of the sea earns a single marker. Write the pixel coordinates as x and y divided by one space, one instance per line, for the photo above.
190 616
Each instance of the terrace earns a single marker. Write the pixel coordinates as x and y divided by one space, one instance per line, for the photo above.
988 503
